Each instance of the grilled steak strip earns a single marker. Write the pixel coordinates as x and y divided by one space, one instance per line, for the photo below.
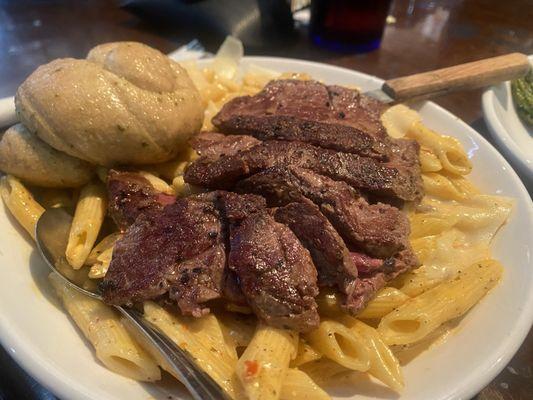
378 229
213 145
328 116
275 271
281 127
131 195
178 250
395 181
330 255
233 209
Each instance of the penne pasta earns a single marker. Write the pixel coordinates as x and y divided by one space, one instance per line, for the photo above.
170 169
104 244
450 251
383 364
208 331
448 150
305 354
99 269
421 315
440 186
324 371
298 385
385 301
177 329
424 247
20 203
479 217
157 183
238 329
88 219
181 188
340 344
264 364
428 224
420 280
114 346
399 119
429 162
407 353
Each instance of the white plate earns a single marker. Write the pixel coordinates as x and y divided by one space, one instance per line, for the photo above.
43 340
512 135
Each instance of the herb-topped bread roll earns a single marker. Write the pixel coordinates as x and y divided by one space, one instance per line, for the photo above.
26 156
125 104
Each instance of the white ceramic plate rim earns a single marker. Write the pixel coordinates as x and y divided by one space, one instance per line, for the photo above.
499 129
66 386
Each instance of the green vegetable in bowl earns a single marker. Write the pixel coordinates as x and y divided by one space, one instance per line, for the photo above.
522 90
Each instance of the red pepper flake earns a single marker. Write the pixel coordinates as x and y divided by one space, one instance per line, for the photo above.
251 369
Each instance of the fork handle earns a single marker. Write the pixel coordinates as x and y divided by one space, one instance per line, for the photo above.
179 361
464 76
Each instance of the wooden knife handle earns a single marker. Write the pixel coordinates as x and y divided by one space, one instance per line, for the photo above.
464 76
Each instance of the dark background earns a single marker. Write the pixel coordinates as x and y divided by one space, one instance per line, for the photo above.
423 35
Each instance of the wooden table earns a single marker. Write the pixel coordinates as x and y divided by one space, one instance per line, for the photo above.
424 35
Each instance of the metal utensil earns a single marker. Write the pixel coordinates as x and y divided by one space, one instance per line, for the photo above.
51 234
439 82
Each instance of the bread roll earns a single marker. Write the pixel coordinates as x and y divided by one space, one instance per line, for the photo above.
27 157
126 104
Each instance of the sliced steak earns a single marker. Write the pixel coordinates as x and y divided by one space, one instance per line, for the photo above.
398 182
131 195
178 250
367 265
234 208
275 271
213 145
329 136
367 285
379 229
330 255
328 116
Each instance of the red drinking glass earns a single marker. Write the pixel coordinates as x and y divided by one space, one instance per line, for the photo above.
348 25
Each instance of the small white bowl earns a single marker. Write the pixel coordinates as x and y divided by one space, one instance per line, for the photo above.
513 136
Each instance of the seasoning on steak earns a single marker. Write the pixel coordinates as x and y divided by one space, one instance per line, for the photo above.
330 255
131 195
328 116
213 145
178 250
378 229
396 181
275 271
233 208
368 284
236 207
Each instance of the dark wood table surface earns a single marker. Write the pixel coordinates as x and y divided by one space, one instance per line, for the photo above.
423 35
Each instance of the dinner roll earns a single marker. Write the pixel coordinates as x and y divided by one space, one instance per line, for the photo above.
125 104
27 157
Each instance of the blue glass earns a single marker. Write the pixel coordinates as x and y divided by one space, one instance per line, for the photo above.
349 26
